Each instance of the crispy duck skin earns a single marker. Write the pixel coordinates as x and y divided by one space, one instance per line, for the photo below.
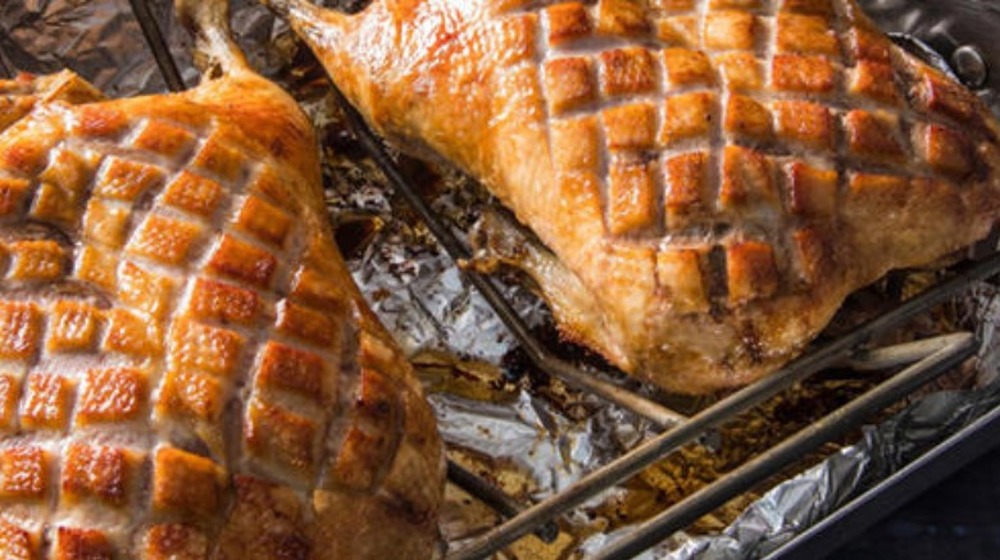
186 369
710 178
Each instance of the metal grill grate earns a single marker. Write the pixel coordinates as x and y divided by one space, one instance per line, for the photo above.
925 359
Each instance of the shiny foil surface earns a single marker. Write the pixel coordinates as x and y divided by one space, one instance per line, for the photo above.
522 430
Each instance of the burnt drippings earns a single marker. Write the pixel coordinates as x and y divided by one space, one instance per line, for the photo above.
443 372
520 368
355 233
518 363
718 289
695 466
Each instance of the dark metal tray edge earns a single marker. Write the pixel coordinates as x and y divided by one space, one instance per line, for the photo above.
850 520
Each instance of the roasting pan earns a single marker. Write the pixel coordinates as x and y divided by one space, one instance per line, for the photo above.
957 36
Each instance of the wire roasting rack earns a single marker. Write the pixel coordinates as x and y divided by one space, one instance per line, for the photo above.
921 362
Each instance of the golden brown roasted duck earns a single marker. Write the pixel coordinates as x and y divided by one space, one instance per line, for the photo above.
711 177
186 368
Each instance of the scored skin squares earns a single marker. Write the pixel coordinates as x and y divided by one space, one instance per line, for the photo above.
731 30
186 368
629 71
748 118
752 106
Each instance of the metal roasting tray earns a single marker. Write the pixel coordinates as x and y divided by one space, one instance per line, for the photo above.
918 362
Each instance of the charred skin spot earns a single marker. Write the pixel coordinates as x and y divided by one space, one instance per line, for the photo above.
292 547
410 511
718 282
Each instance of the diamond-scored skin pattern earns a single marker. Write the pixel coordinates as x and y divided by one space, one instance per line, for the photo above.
718 174
19 96
186 370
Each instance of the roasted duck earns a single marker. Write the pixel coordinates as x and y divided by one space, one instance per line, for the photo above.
710 178
187 370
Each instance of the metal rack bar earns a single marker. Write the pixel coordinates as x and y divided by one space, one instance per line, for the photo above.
539 355
161 51
496 499
658 448
6 68
958 348
880 359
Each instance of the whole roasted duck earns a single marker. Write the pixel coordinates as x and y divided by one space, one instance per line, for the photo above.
186 368
710 178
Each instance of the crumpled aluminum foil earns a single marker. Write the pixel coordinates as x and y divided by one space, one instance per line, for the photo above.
549 437
793 506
